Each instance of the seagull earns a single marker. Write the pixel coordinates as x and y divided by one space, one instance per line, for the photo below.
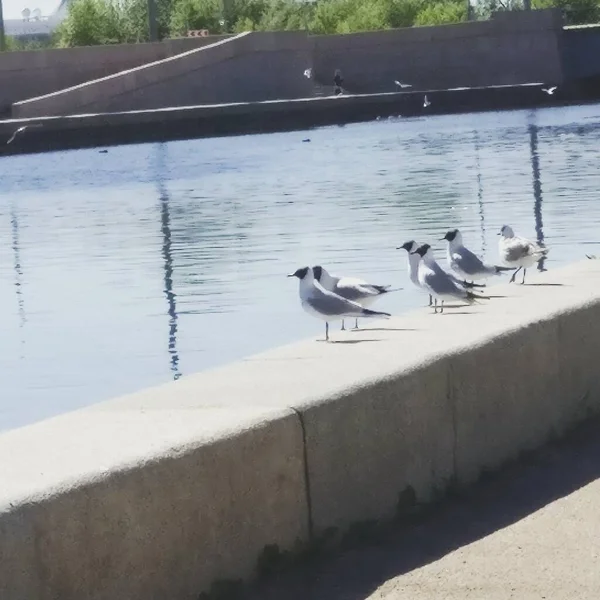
549 91
308 73
351 288
591 256
466 264
402 85
439 283
325 305
426 102
21 130
518 252
413 268
413 263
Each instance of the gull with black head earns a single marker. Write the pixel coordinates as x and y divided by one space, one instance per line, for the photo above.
351 288
413 268
465 263
438 283
326 305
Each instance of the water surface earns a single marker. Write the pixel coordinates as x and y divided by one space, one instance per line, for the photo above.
123 270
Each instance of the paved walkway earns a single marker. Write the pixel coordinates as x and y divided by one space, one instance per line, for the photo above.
531 532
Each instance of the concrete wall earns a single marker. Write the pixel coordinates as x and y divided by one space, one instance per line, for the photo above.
154 495
581 52
247 67
34 73
513 47
147 506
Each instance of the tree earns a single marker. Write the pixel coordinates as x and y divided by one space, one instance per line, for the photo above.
402 13
195 14
284 15
441 13
576 12
89 23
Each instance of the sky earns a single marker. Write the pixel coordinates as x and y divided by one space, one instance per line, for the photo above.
12 8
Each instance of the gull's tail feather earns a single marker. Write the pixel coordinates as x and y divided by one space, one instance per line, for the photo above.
382 289
502 269
385 289
472 284
541 252
471 297
374 313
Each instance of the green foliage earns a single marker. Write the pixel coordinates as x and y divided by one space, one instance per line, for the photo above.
89 22
92 22
282 15
14 45
485 8
577 12
195 14
365 17
402 13
441 13
346 16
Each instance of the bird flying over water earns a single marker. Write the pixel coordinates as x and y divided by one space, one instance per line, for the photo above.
402 85
21 130
426 102
550 90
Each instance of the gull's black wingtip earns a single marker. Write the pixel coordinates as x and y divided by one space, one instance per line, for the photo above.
374 313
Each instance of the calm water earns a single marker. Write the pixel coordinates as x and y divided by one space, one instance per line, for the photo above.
123 270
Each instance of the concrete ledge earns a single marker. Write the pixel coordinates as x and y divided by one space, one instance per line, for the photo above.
159 493
147 504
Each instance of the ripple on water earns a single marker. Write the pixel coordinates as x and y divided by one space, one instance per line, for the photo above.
123 270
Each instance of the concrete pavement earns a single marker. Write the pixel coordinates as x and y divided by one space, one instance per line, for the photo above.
530 532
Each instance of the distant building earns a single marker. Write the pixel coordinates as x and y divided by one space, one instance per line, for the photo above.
35 26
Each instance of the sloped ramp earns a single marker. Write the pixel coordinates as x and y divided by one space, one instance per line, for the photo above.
249 67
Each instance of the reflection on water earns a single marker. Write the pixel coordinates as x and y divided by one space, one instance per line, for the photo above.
123 270
537 190
17 264
170 295
480 195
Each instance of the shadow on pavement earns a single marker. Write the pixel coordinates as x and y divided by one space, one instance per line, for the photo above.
500 500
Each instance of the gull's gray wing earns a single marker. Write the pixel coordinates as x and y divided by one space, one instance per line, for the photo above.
440 283
357 291
332 305
467 261
517 250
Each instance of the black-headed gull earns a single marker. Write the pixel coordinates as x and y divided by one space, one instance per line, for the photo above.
465 263
351 288
325 305
439 283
